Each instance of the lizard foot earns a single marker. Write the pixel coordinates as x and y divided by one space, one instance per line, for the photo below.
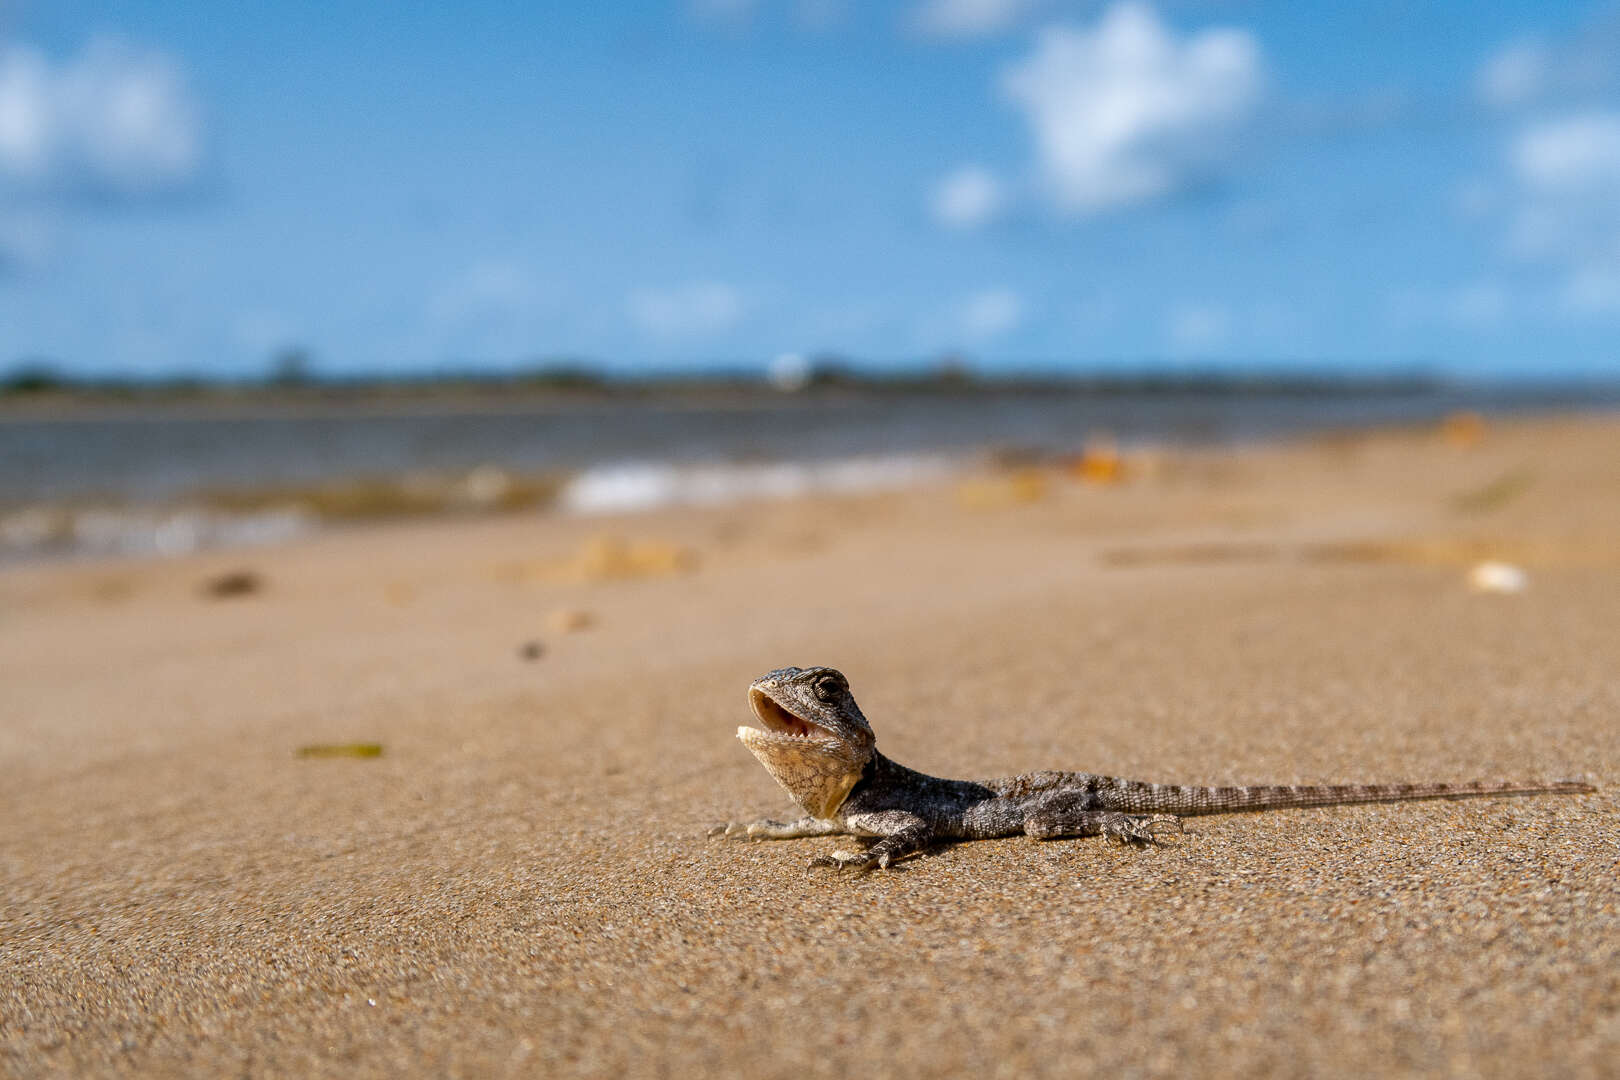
852 860
775 830
1137 830
747 830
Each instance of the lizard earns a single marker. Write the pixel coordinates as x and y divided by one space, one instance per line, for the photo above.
815 741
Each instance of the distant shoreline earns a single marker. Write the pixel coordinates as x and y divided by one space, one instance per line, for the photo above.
46 395
92 475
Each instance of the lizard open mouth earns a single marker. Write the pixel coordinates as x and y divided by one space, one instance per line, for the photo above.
814 762
778 720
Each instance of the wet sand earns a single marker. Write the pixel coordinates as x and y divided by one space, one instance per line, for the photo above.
519 884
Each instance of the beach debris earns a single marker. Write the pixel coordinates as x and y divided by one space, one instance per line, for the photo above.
1016 486
112 590
1498 492
421 493
531 650
1492 576
613 558
1464 429
1099 463
1412 551
1209 553
485 487
1476 553
36 528
570 620
337 750
609 557
606 558
233 583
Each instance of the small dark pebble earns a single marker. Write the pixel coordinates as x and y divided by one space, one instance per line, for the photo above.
531 650
234 583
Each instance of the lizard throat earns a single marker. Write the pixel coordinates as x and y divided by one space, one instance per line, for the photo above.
814 764
817 771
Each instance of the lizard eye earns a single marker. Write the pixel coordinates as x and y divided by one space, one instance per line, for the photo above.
826 688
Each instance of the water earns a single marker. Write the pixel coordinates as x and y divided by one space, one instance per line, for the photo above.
619 454
174 451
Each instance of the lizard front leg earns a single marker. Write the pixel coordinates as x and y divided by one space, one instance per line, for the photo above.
898 835
778 830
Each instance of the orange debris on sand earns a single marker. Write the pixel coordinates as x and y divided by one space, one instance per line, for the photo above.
1100 463
606 558
611 557
1464 429
569 620
1018 486
341 750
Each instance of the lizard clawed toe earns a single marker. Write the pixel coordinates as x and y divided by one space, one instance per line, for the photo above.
850 860
1153 823
1138 830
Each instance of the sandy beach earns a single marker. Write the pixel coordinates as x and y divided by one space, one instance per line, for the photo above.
520 882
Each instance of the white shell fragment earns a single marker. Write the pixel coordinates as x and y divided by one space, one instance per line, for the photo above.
1497 577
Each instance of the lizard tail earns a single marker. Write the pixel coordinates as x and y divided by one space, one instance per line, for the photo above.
1135 797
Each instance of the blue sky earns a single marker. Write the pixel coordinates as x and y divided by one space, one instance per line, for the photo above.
191 187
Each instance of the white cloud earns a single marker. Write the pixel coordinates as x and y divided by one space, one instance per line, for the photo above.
114 120
1126 112
485 288
1556 198
1580 65
1473 307
1567 173
991 313
698 310
1573 155
967 198
492 310
820 14
1479 306
1514 74
1199 326
969 18
1591 290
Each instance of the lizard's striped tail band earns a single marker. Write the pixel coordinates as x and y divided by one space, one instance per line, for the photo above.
1140 798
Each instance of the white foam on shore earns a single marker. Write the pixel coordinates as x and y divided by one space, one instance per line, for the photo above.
625 488
49 531
104 531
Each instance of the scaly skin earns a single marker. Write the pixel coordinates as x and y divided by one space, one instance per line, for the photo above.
817 744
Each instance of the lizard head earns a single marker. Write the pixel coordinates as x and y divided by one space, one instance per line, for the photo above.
814 739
